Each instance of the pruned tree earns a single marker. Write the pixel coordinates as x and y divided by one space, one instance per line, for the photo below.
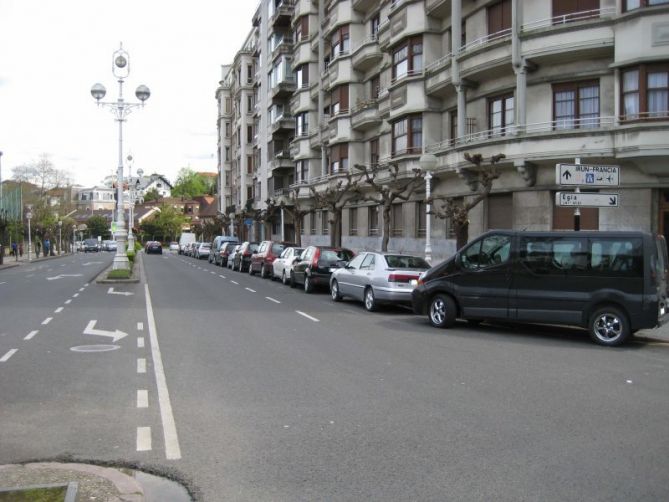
335 196
387 193
481 178
296 209
41 173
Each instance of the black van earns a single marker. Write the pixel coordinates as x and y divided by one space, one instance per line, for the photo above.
611 283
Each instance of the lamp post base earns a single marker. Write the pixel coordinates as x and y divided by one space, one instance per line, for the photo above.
121 261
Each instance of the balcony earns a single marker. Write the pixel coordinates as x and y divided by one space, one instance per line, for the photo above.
365 115
364 6
367 54
284 46
282 15
438 77
283 89
440 9
282 160
282 124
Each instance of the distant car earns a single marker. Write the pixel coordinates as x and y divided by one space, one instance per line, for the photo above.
283 265
378 278
190 249
91 246
216 245
108 245
316 264
174 246
202 250
243 256
153 247
262 260
221 258
232 255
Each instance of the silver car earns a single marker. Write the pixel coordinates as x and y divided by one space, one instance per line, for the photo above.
282 266
231 256
378 278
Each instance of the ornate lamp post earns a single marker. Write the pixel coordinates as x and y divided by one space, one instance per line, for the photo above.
29 216
428 163
282 204
132 198
120 109
60 237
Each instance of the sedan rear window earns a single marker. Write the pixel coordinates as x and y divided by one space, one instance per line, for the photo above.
395 261
336 255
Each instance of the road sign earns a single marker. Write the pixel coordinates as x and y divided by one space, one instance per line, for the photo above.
587 175
580 199
248 222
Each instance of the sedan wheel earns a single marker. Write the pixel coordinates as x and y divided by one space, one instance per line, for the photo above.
263 272
442 311
334 291
284 279
292 280
308 285
370 300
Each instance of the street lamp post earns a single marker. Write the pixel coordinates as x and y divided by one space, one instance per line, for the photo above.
282 203
120 109
428 163
132 198
60 237
29 216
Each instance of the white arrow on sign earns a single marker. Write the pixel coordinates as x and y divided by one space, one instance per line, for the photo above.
111 291
61 276
115 335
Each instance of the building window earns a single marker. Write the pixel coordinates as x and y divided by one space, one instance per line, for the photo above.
228 105
302 170
574 10
499 17
396 221
249 134
325 224
302 76
339 158
453 114
339 99
249 164
312 224
421 219
227 129
408 58
302 29
374 24
576 105
645 92
249 104
302 124
373 218
353 221
500 114
375 86
249 73
249 192
407 135
339 41
374 152
637 4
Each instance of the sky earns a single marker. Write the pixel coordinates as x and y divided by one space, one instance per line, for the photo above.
53 51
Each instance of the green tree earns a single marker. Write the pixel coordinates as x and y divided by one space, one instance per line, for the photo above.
152 194
98 225
189 184
165 226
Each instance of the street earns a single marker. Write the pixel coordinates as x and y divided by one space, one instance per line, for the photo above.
245 389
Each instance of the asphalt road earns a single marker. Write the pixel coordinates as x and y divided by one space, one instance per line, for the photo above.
272 394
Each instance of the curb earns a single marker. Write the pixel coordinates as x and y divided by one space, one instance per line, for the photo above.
134 279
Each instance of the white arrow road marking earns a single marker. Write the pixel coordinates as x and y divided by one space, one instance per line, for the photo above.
60 276
116 335
111 291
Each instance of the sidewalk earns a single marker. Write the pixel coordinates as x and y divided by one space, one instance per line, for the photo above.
11 261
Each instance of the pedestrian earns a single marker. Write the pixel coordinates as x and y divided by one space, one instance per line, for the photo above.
14 249
47 245
38 245
21 249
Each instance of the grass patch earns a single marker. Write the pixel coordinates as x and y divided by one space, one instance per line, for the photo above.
56 494
119 274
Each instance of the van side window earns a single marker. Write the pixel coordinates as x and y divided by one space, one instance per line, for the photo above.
617 257
554 255
489 252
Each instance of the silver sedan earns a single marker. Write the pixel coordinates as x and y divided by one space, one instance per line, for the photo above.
378 278
282 266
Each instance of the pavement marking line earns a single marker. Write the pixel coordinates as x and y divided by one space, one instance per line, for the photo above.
172 449
272 299
47 320
58 310
222 277
81 289
251 290
75 295
9 354
142 398
212 272
140 342
67 302
307 316
235 282
30 335
140 326
143 438
141 365
5 282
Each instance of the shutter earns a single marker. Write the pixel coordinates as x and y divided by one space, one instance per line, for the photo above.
500 211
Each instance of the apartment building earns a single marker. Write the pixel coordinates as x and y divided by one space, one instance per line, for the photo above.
542 82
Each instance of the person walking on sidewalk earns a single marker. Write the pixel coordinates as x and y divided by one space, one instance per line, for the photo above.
14 250
38 245
47 245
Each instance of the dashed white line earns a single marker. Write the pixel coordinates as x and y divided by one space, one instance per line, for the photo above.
307 316
58 310
141 365
143 438
4 282
234 282
75 295
67 302
222 277
212 272
47 320
251 290
30 335
140 326
9 354
140 342
81 289
272 299
142 398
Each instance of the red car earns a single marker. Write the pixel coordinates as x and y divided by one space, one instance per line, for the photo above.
262 260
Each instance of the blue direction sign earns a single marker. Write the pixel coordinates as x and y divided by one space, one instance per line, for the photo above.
587 175
580 199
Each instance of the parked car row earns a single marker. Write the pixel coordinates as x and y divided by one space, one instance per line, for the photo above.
609 283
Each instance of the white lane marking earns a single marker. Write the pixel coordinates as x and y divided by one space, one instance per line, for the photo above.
272 299
234 282
142 398
111 291
30 335
251 290
222 277
30 275
58 310
212 272
75 295
172 449
143 438
47 320
140 326
81 289
140 342
67 302
9 354
307 316
141 365
4 282
86 284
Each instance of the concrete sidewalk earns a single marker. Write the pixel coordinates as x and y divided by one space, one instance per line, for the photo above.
12 261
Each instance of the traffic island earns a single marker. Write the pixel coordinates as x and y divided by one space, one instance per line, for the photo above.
111 276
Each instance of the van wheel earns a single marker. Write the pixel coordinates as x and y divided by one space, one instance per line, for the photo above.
370 300
442 311
609 326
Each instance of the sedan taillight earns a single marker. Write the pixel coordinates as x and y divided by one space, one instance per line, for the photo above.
401 278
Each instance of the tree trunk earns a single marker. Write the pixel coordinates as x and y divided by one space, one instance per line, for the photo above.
335 229
298 231
386 228
461 234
